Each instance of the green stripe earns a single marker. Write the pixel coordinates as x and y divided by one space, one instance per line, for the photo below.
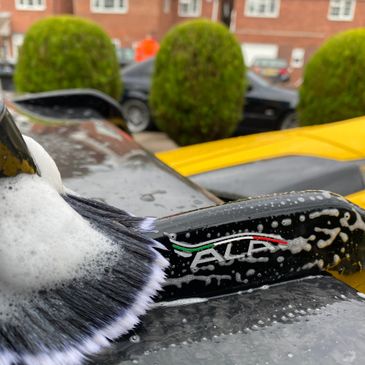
201 248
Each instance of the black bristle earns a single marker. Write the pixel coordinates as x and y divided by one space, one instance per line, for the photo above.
64 324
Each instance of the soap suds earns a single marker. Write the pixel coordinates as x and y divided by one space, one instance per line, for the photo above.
44 242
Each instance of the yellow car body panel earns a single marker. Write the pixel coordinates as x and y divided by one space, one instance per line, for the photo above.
357 198
342 141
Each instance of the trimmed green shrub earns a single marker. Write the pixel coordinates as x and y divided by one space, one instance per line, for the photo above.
333 88
64 52
198 83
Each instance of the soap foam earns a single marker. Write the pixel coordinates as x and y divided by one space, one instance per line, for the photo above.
44 242
46 166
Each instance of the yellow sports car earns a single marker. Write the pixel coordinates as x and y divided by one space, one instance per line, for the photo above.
329 157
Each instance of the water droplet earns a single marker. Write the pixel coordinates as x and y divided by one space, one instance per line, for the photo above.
135 339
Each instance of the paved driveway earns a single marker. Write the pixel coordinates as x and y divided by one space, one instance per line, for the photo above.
155 141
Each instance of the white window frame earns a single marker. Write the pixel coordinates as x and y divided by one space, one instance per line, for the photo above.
341 17
256 14
104 10
17 40
190 13
116 42
25 5
297 57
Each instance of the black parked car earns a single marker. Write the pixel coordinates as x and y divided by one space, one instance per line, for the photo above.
266 107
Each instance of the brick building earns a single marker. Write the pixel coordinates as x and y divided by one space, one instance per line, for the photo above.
17 15
129 21
291 29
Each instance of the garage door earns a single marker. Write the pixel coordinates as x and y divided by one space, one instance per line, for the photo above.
258 50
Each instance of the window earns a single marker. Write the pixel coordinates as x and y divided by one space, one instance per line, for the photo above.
190 8
341 10
116 42
297 57
262 8
17 40
109 6
30 4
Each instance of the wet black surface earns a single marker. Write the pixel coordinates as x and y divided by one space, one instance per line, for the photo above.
100 161
290 173
316 320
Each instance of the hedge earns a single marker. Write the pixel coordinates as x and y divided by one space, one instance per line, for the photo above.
198 83
64 52
333 88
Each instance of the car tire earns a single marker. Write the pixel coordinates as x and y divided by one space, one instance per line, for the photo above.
137 115
290 121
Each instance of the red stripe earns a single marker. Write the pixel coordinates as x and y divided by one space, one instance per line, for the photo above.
280 242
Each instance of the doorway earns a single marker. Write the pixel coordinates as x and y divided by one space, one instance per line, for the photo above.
226 11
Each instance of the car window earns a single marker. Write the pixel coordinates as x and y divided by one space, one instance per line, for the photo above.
283 174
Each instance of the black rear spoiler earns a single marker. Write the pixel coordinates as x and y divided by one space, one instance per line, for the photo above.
73 104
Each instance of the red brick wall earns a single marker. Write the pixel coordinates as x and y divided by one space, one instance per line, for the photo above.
142 18
63 7
21 20
169 20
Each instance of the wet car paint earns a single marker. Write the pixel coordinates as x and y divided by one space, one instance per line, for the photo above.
99 160
316 320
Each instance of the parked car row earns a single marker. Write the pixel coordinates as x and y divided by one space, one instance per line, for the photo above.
266 107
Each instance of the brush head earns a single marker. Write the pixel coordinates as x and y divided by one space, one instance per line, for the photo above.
74 274
70 281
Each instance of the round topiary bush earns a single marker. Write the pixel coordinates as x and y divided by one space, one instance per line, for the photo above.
333 88
198 83
64 52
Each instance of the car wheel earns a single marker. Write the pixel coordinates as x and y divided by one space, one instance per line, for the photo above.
289 121
136 114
